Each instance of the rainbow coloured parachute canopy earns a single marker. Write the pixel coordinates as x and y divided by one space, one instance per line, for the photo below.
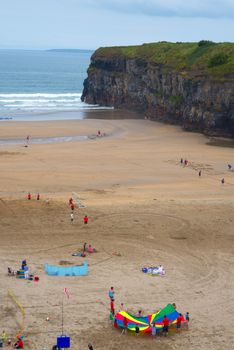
145 323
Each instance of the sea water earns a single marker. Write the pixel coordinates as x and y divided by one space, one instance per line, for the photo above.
43 85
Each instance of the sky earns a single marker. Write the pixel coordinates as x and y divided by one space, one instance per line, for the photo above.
89 24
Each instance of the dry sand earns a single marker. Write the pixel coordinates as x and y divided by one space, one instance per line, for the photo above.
142 204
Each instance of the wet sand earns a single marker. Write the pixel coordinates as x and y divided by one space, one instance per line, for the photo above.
143 205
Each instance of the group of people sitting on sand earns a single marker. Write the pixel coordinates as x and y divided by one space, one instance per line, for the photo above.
23 272
87 248
154 270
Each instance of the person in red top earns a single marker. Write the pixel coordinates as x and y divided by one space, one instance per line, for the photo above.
19 344
179 320
86 219
29 196
125 325
72 206
70 201
165 325
112 306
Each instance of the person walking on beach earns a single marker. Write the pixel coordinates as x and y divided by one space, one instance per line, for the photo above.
72 217
38 196
84 247
27 141
70 201
86 220
199 174
111 293
29 196
72 206
222 181
90 347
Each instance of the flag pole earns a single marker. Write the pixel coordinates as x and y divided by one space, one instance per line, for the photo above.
62 315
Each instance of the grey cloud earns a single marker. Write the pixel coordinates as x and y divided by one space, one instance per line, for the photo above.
169 8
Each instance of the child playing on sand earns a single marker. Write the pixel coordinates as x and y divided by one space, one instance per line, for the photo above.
86 219
153 330
187 318
139 314
125 326
4 336
165 325
111 317
178 322
112 306
72 218
19 344
111 293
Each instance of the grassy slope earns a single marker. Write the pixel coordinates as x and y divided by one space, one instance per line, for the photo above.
189 58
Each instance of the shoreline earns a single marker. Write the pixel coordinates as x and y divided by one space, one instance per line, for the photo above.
79 114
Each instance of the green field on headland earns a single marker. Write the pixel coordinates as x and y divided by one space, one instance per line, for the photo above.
214 60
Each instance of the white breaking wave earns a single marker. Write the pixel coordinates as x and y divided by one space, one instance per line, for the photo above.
43 102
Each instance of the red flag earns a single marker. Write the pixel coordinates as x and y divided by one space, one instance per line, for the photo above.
66 291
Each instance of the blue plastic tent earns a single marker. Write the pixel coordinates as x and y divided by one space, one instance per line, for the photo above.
77 270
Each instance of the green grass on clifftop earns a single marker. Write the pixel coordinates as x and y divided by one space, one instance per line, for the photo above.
214 60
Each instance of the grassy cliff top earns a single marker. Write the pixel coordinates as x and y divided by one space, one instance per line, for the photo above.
215 60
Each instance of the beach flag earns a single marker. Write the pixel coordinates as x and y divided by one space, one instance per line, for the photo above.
66 291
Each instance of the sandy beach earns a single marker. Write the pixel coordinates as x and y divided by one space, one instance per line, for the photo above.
144 208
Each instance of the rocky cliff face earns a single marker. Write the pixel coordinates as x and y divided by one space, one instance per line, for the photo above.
162 93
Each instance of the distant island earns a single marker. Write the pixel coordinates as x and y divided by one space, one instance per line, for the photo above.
190 84
70 50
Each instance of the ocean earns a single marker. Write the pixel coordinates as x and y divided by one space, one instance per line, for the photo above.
42 85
